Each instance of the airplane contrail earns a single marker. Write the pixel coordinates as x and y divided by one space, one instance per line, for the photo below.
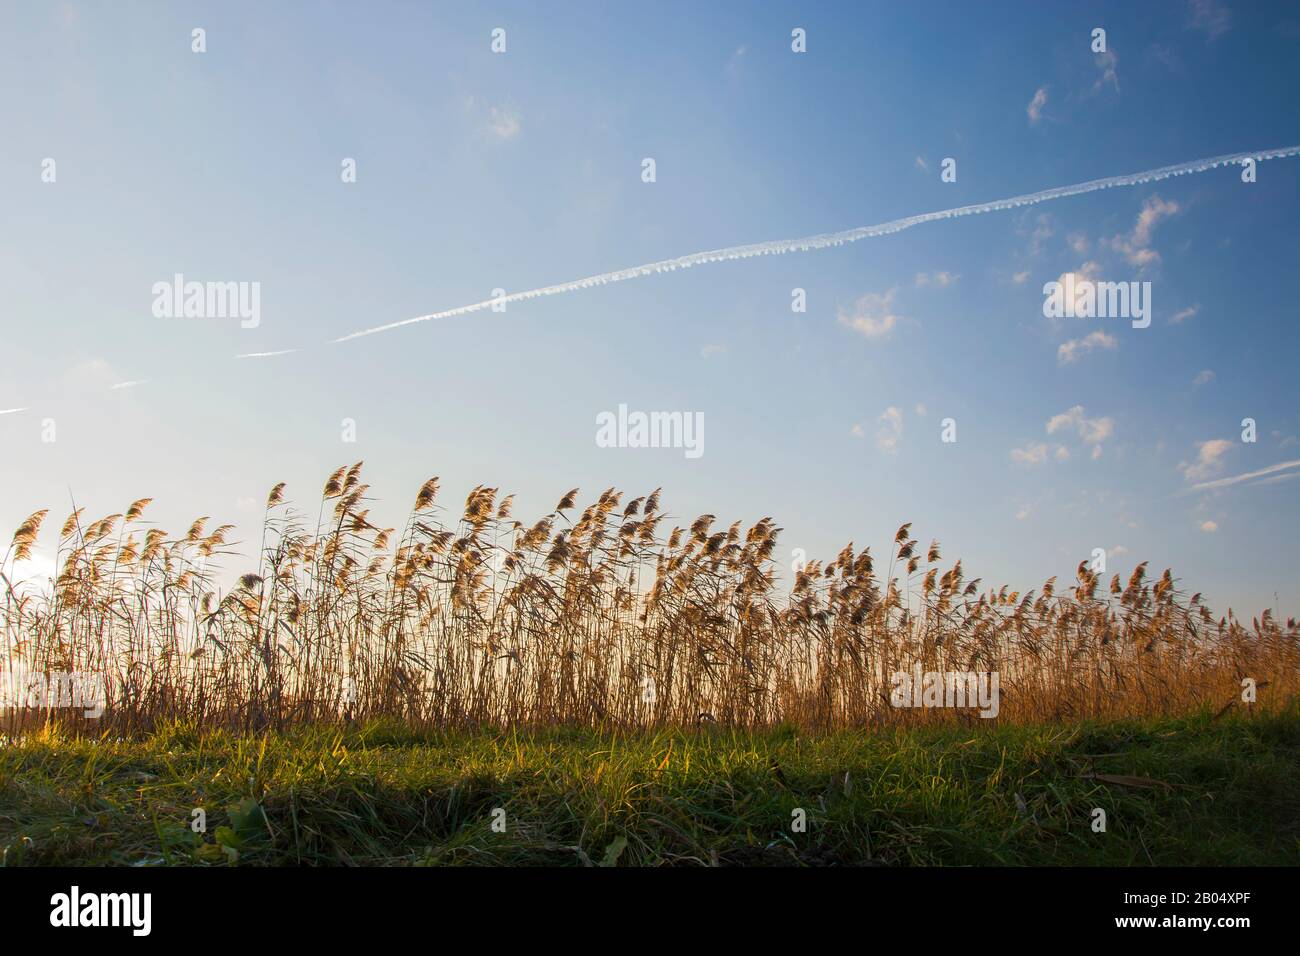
825 240
1248 476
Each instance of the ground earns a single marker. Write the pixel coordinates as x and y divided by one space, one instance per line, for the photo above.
1186 791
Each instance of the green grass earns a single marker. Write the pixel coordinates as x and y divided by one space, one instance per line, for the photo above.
1228 793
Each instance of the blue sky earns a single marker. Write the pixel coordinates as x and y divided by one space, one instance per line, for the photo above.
478 171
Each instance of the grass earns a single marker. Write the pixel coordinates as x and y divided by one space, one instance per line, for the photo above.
1191 790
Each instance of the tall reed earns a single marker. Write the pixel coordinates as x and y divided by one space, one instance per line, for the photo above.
601 616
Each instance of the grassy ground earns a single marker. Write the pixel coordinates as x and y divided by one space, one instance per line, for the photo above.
1176 792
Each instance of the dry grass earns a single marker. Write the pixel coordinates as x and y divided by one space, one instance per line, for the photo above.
488 621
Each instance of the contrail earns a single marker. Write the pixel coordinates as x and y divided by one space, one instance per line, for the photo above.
826 240
1248 476
253 355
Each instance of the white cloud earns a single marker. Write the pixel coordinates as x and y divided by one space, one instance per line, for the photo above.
1153 210
1034 453
872 315
1074 348
1205 378
1078 280
733 64
1020 278
709 351
922 164
1108 64
1136 246
504 123
92 375
935 278
890 434
1209 527
1035 108
1091 431
1209 17
1209 459
1042 230
1184 314
857 432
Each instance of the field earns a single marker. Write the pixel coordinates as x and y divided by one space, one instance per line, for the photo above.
1189 791
593 689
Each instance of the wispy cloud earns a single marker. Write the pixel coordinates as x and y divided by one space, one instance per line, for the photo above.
503 122
1042 231
935 278
1204 378
1108 65
736 60
1035 108
1209 17
1184 314
1079 280
890 434
872 315
1136 246
1091 431
1075 348
1033 453
1209 459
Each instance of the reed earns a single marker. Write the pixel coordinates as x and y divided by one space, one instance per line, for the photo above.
608 616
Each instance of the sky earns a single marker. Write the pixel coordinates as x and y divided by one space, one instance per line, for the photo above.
478 170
